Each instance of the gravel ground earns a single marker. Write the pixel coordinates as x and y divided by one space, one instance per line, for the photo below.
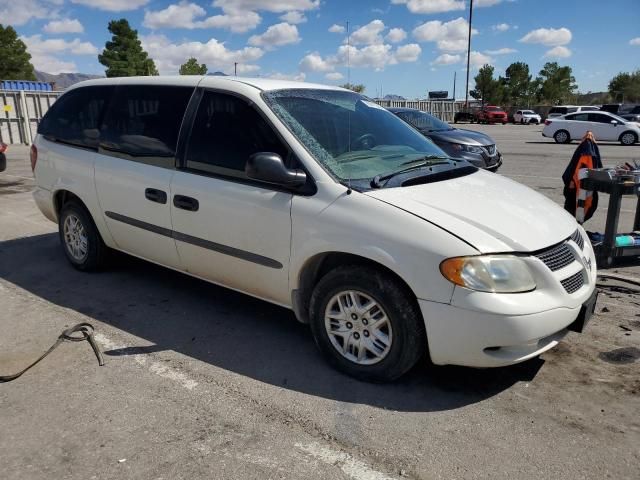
202 382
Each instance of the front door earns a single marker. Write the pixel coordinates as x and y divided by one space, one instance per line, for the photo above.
603 128
228 229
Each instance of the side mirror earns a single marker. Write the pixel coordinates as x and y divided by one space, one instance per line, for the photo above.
268 167
614 122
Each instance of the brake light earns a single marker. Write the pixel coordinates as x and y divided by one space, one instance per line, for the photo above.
34 157
547 122
3 147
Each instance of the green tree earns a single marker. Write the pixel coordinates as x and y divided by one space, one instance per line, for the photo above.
625 87
191 67
518 84
14 59
487 88
557 84
123 55
356 88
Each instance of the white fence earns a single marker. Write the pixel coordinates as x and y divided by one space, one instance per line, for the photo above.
444 110
20 113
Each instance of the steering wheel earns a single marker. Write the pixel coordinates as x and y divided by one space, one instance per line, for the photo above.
364 142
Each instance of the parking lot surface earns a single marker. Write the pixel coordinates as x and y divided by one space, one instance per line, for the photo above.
203 382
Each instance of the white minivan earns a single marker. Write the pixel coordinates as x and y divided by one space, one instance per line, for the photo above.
317 199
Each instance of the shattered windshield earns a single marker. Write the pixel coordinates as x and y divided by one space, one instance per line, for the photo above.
353 137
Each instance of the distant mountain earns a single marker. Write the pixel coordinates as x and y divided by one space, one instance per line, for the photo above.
64 80
218 74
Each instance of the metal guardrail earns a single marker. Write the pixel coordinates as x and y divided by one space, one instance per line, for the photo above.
20 113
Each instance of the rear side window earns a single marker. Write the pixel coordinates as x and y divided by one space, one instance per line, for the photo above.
74 118
143 123
225 133
589 109
558 110
579 117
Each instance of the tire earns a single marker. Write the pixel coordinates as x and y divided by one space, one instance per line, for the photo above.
628 138
3 162
401 339
562 136
80 239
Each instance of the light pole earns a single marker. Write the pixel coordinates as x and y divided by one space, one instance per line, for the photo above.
466 90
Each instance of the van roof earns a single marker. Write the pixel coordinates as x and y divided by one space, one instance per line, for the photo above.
213 81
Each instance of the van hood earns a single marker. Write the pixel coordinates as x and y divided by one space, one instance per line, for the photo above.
490 212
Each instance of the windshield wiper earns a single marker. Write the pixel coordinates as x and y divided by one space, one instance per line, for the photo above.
417 164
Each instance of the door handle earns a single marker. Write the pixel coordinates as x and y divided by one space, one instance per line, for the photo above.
186 203
155 195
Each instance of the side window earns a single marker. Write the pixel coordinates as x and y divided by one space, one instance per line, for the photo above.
74 117
226 132
143 123
571 109
598 117
578 117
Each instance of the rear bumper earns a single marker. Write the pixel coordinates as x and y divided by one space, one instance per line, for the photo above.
44 201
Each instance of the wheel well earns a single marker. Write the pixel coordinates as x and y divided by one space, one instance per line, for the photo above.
628 131
64 196
320 265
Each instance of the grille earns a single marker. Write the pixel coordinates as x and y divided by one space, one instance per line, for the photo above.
491 149
557 257
576 237
573 283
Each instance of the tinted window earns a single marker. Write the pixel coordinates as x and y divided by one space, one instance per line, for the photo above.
589 109
597 117
143 122
559 110
226 132
423 121
580 117
74 117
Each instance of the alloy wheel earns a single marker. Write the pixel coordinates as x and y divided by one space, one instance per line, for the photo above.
75 238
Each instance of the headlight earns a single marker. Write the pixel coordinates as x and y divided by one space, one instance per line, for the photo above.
489 273
466 148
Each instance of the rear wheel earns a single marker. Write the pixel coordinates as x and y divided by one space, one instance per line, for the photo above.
628 138
562 136
81 241
366 324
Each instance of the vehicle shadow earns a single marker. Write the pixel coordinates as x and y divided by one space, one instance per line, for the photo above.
230 330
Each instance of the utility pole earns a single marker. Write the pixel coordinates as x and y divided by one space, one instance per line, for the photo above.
348 54
454 86
466 90
235 69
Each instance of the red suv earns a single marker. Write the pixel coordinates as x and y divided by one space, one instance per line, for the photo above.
491 114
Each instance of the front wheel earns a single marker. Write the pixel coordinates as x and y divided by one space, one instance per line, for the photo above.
81 241
366 324
628 138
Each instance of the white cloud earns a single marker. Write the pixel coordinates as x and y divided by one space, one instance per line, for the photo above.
113 5
294 17
548 36
408 53
267 5
634 41
376 56
169 55
314 62
478 59
276 36
53 65
447 59
501 27
450 36
486 3
298 77
501 51
334 76
396 35
66 25
368 34
335 28
432 6
188 15
558 52
17 13
43 52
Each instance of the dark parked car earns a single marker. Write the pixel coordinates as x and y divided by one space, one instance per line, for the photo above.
632 114
3 158
475 147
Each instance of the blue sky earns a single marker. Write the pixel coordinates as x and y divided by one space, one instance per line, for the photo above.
405 47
